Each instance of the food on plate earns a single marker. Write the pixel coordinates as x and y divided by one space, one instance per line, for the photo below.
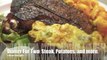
94 11
12 36
51 12
58 23
1 19
64 36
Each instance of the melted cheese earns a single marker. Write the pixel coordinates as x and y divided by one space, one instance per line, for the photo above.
63 36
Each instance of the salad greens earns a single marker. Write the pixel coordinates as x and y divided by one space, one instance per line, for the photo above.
1 19
22 40
14 37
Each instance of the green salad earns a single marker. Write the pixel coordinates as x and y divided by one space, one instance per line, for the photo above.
14 37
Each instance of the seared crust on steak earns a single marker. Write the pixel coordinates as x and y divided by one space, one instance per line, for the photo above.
51 12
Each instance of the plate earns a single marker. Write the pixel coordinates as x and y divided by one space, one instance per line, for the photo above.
5 9
5 6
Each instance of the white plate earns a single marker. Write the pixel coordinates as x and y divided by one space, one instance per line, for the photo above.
5 9
104 5
5 6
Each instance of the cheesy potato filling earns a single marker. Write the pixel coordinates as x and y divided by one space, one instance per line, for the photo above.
64 36
95 11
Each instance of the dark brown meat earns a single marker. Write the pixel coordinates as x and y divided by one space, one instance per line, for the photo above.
50 12
31 12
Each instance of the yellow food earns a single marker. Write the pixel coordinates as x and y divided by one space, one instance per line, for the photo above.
67 36
96 12
101 24
63 36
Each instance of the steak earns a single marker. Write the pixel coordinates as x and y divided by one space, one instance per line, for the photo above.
50 12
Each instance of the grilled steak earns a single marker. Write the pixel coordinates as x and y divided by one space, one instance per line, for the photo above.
50 12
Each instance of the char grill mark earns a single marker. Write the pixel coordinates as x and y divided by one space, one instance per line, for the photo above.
51 12
31 12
